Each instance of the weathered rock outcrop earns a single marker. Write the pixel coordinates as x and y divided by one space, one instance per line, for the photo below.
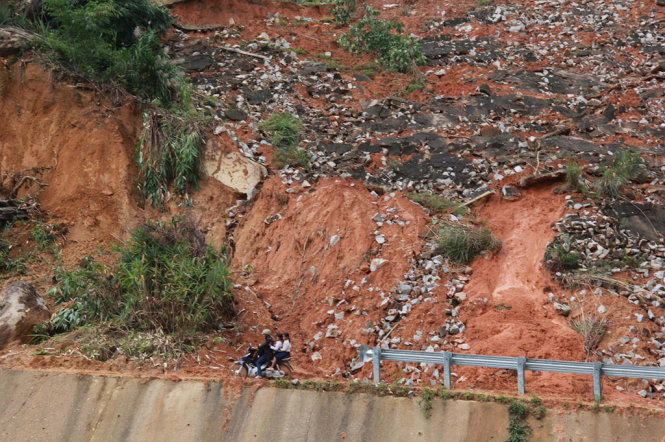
13 39
21 308
233 170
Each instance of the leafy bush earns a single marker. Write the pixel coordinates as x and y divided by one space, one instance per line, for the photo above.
166 279
112 40
559 257
343 10
169 151
462 243
172 281
371 34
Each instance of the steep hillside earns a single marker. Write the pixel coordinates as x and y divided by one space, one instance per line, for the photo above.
540 122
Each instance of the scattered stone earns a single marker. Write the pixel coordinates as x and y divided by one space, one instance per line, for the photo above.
510 193
376 264
562 309
235 114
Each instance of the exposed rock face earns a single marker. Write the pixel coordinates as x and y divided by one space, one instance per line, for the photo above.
13 39
647 220
21 308
234 170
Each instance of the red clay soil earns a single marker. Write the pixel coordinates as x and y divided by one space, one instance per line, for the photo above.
517 319
302 276
86 146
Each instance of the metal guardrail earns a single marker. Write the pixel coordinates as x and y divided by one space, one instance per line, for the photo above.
520 364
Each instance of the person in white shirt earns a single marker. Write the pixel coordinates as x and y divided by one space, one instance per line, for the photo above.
284 351
276 348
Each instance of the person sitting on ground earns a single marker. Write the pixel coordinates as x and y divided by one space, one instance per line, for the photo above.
264 352
276 348
285 351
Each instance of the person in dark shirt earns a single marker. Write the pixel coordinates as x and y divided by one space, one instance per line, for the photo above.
264 352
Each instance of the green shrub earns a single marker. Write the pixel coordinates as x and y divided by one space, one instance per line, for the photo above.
627 163
462 243
291 156
112 40
518 429
166 280
426 401
169 151
9 264
610 184
573 175
343 10
518 410
559 257
396 51
6 13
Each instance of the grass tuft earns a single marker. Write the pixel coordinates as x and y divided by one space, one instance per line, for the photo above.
283 130
627 166
462 242
592 330
438 203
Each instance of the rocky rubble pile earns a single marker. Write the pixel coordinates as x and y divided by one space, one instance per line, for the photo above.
609 248
548 81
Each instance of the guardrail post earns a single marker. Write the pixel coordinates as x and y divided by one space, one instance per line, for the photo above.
597 383
521 361
376 363
447 362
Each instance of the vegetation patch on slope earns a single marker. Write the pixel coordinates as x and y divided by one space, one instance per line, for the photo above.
166 281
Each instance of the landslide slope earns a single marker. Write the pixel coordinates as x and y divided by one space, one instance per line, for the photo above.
336 253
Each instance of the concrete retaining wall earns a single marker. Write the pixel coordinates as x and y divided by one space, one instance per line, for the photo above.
48 406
